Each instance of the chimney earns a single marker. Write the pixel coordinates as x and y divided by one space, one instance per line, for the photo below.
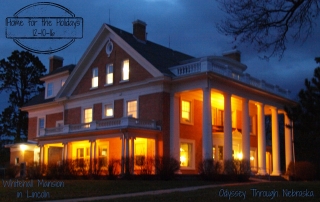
139 30
233 54
55 62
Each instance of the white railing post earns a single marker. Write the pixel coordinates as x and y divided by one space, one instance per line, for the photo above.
66 129
93 125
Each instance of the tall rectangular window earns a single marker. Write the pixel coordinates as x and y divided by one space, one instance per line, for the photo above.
132 109
125 70
41 123
49 89
87 115
186 111
186 155
108 110
94 77
109 74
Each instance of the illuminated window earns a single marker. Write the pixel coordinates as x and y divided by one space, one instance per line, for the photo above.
217 117
132 109
213 152
103 156
187 154
80 157
109 74
94 77
50 89
186 111
253 159
220 153
140 151
87 115
125 70
108 110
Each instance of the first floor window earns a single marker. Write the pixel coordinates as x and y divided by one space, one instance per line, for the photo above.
220 153
80 157
253 159
94 78
186 154
132 109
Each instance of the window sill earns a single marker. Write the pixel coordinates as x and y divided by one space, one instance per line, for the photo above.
187 168
123 81
92 88
110 84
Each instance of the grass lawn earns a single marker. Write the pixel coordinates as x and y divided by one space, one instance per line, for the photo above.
87 188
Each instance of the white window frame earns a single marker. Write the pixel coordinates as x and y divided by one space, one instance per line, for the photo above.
125 76
126 107
47 90
44 124
104 109
83 114
193 154
191 121
95 78
108 75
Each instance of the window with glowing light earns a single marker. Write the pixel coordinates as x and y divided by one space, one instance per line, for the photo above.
186 110
132 108
108 110
87 118
253 159
109 74
94 78
187 154
125 70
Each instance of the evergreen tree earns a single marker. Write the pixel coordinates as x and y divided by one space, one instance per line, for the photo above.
20 77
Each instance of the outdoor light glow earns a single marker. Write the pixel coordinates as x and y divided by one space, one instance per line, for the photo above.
251 158
240 156
182 160
23 147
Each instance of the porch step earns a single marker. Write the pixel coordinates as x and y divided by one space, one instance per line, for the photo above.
268 177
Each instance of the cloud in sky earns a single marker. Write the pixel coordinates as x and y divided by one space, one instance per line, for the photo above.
188 26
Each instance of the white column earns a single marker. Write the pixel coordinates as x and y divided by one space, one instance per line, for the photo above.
65 151
122 154
41 160
132 154
206 125
275 142
227 128
127 156
261 140
92 164
288 141
245 129
174 127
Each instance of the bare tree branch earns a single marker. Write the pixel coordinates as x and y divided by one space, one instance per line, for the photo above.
269 24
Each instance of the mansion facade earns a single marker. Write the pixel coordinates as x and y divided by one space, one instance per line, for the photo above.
129 98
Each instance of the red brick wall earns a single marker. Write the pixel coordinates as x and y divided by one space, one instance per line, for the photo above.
97 112
194 132
73 116
136 73
118 108
32 128
51 119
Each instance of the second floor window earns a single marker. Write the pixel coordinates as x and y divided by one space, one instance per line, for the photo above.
108 110
132 109
109 74
87 115
186 111
50 89
125 70
94 78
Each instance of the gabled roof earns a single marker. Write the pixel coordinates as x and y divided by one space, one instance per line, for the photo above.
40 98
61 69
159 56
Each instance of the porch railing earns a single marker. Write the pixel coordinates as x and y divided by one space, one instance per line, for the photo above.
205 65
124 122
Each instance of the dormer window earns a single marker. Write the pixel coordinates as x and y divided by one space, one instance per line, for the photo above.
94 77
49 89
